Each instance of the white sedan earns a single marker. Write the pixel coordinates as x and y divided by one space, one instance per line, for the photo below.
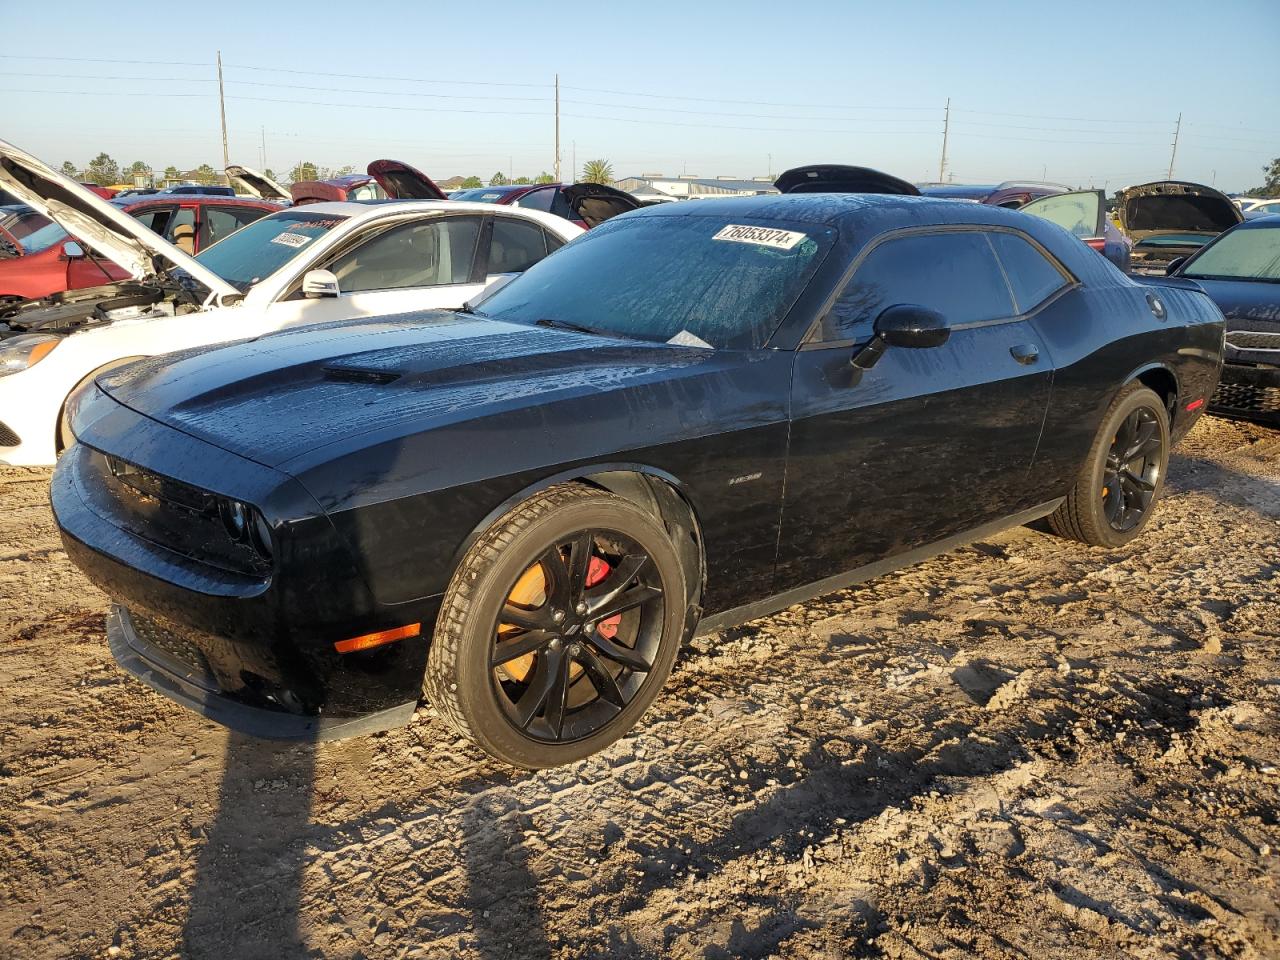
309 264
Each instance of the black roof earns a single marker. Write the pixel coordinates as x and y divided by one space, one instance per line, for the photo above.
856 211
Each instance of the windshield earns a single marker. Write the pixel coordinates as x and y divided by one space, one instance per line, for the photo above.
1240 255
264 246
43 239
727 284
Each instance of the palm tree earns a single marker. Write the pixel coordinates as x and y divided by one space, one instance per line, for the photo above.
597 171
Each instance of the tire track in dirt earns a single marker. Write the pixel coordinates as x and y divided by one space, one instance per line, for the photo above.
1023 748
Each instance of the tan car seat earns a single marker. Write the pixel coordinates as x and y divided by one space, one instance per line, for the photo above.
184 238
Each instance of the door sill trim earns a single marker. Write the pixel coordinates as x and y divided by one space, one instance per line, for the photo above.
841 581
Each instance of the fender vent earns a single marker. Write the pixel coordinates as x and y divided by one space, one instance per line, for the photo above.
8 438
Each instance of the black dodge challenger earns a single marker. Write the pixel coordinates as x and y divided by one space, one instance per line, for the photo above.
692 416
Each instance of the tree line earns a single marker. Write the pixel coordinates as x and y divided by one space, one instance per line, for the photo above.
105 171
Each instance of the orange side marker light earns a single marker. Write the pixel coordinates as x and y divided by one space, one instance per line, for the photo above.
1195 405
378 639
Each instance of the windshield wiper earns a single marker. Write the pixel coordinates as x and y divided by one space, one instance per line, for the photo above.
568 325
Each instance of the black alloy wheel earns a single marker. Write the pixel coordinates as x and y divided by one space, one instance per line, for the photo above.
566 665
559 627
1133 468
1115 491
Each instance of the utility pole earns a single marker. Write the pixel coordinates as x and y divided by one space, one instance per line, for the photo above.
946 132
574 169
557 128
264 148
222 108
1172 156
770 166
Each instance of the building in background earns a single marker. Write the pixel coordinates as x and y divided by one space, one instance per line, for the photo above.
686 187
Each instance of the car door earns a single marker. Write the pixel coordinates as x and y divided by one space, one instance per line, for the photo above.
422 264
930 441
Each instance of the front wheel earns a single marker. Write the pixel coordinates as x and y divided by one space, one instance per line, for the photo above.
559 627
1123 475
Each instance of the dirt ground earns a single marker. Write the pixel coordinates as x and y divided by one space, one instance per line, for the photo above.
1025 748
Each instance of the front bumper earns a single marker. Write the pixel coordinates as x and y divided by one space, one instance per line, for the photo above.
1248 392
171 664
256 644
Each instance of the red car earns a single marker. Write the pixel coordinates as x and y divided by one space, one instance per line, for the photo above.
49 260
586 204
385 179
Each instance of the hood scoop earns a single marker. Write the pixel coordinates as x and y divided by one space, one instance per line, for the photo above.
359 375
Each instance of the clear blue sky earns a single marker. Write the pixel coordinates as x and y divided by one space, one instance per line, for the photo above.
1081 92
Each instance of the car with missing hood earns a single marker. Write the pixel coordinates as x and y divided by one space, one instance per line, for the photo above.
693 415
1240 271
1170 219
299 265
586 204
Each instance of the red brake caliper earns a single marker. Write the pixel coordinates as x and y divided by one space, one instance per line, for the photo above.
597 570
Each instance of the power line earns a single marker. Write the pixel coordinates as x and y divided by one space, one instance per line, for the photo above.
370 76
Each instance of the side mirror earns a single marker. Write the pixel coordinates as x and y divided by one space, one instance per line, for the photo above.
911 325
902 325
72 250
1173 266
319 283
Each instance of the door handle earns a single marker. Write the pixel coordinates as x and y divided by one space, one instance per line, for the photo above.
1025 353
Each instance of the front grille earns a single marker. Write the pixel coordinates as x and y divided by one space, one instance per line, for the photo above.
1247 398
1252 340
7 437
177 646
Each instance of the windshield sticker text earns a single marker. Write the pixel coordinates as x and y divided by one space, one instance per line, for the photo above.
291 240
760 236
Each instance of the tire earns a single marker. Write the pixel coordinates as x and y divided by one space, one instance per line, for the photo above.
1100 493
488 701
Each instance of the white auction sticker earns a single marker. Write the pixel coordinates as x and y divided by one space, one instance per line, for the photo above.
761 236
294 240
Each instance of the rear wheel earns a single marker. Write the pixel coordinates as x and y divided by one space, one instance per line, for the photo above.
1123 476
559 627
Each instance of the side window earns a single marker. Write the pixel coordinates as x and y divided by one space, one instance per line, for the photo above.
423 254
516 245
953 273
367 191
155 219
1032 277
181 231
219 222
554 243
537 200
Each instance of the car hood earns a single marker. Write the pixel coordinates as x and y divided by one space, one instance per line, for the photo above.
255 184
403 182
1247 304
288 394
1174 206
594 203
106 228
839 178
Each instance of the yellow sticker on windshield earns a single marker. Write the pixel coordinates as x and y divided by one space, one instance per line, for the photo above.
760 236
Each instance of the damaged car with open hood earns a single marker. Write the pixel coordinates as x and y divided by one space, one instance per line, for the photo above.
313 264
1171 219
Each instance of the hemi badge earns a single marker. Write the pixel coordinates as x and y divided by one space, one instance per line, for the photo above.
746 478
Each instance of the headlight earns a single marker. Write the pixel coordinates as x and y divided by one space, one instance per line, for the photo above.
26 350
246 524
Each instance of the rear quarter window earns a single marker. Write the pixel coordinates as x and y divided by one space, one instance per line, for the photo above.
1033 277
